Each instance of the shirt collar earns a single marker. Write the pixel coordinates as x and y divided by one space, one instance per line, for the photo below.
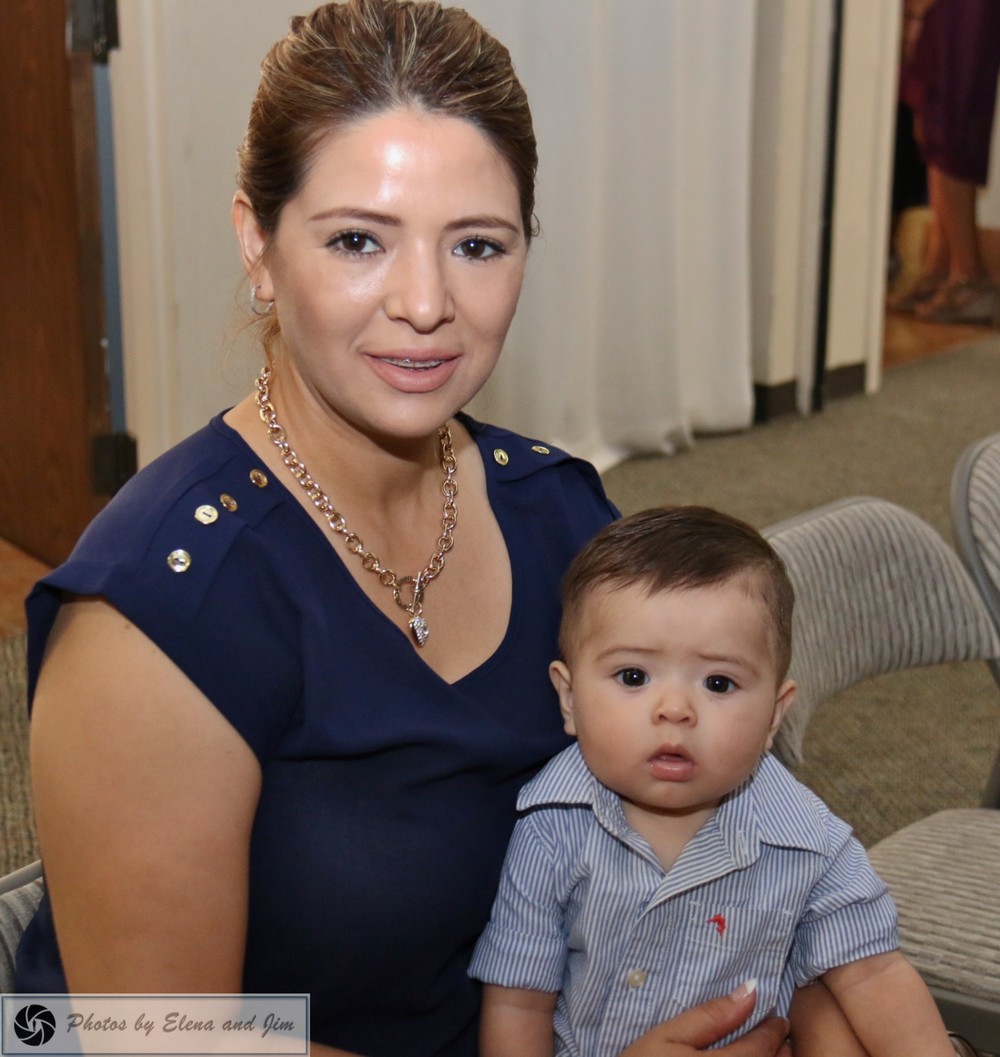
771 807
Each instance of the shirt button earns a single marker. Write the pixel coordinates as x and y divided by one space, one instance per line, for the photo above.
500 457
259 478
636 978
540 449
179 561
206 514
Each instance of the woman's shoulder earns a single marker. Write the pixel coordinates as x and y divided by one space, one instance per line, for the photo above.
193 498
184 552
513 453
514 457
185 528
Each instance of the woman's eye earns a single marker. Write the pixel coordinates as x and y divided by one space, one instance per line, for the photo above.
356 242
478 248
632 677
719 684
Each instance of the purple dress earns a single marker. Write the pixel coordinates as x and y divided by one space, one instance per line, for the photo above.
950 83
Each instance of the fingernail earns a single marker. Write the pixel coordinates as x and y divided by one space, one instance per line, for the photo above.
745 989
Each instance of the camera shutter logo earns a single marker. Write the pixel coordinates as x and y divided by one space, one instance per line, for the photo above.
34 1025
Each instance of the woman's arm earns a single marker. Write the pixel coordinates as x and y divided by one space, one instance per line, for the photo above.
144 799
889 1007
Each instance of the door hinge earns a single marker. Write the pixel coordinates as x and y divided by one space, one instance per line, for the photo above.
93 27
113 461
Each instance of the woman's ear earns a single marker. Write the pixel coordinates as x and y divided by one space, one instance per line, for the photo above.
253 242
563 682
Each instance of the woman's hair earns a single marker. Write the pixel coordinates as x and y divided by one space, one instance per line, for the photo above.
353 60
679 548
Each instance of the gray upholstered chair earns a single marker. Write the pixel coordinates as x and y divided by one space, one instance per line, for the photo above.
878 590
20 894
975 510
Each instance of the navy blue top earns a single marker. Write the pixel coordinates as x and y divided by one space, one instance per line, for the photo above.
388 794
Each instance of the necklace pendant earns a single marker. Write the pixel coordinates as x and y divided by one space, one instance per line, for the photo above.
420 629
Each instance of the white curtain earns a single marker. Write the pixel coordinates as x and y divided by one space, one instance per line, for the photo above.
633 332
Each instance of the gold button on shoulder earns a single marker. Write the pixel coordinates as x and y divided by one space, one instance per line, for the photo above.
259 478
500 457
636 978
541 449
179 561
227 502
206 514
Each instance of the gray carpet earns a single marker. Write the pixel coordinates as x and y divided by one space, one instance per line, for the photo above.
904 745
882 755
17 840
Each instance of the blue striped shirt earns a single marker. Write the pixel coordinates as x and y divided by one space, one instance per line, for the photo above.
773 886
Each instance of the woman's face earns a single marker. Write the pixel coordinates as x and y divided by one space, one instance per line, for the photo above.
395 271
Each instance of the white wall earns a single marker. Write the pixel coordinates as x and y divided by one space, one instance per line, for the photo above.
182 82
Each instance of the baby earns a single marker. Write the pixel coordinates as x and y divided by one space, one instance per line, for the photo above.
666 857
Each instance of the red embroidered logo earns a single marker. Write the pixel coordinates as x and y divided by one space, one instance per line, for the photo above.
719 922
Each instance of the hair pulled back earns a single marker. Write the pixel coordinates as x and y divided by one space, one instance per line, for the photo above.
353 60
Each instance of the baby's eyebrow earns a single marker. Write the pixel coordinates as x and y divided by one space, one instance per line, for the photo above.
730 658
610 651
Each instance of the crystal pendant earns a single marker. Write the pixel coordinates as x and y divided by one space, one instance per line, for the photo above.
420 629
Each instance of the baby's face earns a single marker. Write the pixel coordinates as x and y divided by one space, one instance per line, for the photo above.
672 696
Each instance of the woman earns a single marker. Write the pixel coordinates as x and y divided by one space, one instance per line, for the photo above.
951 58
269 756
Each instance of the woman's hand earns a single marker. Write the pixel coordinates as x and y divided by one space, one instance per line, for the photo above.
913 25
696 1029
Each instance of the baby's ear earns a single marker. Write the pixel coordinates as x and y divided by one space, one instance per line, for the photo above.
563 682
782 703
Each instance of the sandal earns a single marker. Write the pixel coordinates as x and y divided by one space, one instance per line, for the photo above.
975 301
921 290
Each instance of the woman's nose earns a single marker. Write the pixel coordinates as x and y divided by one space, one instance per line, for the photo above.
418 290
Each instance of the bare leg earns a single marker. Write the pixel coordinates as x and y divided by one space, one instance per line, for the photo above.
936 260
954 204
968 295
819 1027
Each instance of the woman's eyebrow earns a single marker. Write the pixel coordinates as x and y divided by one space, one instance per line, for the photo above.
485 221
369 216
366 216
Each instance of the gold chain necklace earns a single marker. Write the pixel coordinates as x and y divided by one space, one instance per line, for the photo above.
414 585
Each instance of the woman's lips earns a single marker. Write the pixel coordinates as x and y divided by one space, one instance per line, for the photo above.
414 373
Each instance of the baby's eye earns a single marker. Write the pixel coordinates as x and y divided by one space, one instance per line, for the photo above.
632 677
478 248
719 684
358 243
